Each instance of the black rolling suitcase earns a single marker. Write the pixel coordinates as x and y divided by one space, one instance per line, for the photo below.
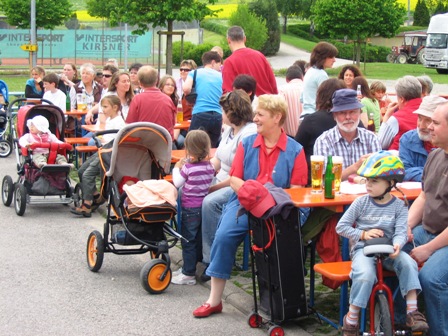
278 253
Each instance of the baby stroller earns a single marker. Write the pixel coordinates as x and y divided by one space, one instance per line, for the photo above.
141 151
49 184
5 137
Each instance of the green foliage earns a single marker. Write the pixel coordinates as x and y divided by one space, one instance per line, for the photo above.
254 27
302 31
373 17
73 22
441 8
267 9
374 53
404 29
49 13
421 14
215 26
194 52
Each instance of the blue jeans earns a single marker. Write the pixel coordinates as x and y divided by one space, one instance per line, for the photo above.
191 230
231 232
212 208
210 122
363 275
434 279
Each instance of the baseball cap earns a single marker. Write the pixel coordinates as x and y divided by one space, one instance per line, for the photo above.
255 198
429 105
345 100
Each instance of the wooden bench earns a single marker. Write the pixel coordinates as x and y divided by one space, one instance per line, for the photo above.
77 141
83 150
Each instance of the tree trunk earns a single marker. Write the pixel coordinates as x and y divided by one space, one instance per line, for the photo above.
169 48
285 19
358 52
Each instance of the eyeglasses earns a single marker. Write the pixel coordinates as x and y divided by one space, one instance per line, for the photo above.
107 76
169 84
185 70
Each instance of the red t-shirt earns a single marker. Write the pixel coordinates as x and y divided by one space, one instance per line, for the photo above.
267 162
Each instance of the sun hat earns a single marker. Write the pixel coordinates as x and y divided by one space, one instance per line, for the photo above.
429 105
255 198
40 122
345 100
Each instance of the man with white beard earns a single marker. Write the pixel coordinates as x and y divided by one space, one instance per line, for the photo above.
415 145
346 139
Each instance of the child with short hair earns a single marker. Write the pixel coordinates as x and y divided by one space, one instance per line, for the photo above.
379 214
194 174
378 90
52 93
39 133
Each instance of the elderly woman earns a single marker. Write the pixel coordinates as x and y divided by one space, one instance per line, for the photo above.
91 88
269 156
238 116
348 74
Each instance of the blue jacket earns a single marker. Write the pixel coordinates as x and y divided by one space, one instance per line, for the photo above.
413 155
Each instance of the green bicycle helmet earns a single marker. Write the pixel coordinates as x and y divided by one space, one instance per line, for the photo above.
383 164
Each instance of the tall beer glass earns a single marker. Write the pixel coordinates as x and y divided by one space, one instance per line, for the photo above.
337 170
317 170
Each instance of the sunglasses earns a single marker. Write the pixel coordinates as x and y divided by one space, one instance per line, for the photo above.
107 76
185 70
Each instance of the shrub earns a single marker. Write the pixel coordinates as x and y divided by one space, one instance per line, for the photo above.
254 27
299 32
188 46
214 26
194 52
267 9
374 53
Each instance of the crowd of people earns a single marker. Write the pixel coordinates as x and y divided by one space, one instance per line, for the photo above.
268 134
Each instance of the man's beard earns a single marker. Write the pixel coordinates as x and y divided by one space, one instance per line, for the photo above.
347 128
423 136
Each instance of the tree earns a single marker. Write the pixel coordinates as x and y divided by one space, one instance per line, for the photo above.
266 9
73 22
254 26
421 14
358 20
144 13
49 13
441 7
293 7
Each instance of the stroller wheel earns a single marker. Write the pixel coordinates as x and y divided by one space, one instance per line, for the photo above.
20 199
151 273
276 331
95 251
77 196
7 190
5 148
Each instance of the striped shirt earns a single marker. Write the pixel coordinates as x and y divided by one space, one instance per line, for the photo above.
391 218
198 178
332 143
292 92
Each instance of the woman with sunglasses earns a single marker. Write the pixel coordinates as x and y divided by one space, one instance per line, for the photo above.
185 67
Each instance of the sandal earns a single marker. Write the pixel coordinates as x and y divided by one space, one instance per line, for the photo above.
85 210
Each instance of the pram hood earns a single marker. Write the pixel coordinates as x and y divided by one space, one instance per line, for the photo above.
131 148
52 113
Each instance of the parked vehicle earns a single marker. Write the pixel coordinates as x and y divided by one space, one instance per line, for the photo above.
411 51
437 48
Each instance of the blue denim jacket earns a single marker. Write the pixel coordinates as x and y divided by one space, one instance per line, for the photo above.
413 155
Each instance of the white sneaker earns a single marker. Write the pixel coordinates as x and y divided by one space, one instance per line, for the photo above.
182 279
177 272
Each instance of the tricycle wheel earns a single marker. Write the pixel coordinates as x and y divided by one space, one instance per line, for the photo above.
150 276
95 251
383 321
254 320
5 148
276 331
20 199
7 190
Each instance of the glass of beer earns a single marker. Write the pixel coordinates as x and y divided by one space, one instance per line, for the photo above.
80 102
180 114
317 170
337 171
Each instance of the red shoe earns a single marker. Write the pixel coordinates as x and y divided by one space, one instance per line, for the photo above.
206 310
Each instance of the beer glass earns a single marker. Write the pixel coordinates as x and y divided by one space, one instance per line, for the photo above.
337 171
80 102
317 170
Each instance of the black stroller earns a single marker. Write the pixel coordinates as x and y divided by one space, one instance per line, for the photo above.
141 151
49 184
5 136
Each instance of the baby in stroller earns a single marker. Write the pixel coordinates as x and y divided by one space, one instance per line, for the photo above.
40 133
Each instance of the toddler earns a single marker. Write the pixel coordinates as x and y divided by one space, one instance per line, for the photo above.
39 133
194 174
379 214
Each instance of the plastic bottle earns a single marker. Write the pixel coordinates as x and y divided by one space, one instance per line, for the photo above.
371 123
68 103
329 178
358 91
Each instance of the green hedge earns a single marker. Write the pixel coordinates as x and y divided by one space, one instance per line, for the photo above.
374 53
214 26
194 52
302 30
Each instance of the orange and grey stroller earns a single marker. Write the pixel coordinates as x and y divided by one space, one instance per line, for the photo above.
140 152
49 184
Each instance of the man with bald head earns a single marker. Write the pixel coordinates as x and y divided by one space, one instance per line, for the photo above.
151 104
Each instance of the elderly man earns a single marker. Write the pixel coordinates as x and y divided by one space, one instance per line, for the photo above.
430 209
346 139
247 61
415 145
395 124
151 104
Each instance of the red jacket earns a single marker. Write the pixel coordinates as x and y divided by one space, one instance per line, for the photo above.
406 120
